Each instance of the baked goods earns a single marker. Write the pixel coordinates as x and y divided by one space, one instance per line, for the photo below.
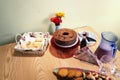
32 42
71 73
78 74
32 45
65 37
63 72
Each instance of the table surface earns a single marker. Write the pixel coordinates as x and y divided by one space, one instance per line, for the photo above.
16 66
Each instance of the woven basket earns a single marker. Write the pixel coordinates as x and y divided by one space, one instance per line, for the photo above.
36 52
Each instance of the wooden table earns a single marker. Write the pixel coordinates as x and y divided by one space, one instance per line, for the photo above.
16 66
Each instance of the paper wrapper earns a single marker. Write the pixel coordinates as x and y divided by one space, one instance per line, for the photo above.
85 54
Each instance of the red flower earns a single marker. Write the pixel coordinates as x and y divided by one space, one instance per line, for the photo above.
56 20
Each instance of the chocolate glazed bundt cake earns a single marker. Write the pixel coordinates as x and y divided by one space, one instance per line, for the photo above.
65 36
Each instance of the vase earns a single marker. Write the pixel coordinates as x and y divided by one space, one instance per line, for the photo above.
57 27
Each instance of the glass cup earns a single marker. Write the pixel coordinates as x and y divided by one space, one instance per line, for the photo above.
115 67
105 66
111 68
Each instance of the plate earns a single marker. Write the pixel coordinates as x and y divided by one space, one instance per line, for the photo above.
68 45
61 52
90 35
68 73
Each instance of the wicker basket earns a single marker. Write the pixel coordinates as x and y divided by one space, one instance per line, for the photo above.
27 37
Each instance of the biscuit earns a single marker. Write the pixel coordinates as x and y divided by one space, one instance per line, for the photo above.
78 73
95 74
38 40
63 72
71 73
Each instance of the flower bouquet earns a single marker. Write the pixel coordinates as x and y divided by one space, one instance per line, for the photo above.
57 19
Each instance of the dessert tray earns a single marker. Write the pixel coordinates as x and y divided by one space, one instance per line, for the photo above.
32 42
67 73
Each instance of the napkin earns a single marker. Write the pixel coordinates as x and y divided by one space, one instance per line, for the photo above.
85 54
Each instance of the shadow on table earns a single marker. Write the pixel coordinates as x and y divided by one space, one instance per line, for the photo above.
20 54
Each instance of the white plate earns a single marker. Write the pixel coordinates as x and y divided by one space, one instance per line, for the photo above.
69 45
89 34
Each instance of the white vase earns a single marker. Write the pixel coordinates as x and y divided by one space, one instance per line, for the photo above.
57 27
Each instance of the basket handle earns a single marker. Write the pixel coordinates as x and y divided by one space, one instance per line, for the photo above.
16 37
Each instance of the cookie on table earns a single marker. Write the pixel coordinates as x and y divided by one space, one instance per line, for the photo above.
78 73
95 74
71 73
63 72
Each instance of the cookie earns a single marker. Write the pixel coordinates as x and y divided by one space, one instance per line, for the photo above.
78 73
71 73
63 72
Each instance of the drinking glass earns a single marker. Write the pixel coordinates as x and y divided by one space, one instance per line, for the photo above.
115 67
105 66
111 68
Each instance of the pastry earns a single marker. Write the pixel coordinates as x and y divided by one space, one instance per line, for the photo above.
63 72
78 73
65 37
71 73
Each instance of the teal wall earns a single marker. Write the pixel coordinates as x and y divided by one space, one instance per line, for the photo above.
18 16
